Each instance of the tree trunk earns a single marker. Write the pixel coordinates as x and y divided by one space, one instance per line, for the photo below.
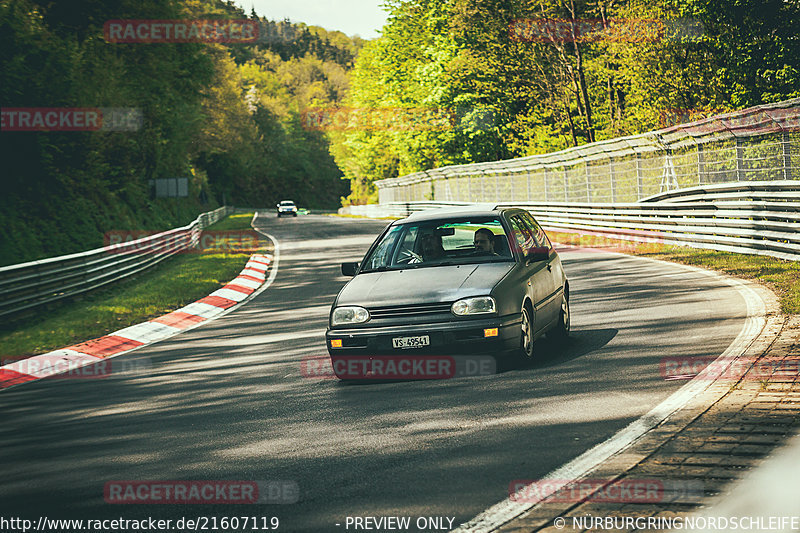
584 92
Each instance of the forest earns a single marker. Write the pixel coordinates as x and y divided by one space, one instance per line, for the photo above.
316 116
227 116
524 77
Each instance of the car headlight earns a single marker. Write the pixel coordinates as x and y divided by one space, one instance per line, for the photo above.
349 315
480 305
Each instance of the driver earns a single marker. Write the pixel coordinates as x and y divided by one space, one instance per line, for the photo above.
484 242
431 247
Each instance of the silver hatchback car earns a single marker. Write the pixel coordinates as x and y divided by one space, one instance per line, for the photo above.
452 282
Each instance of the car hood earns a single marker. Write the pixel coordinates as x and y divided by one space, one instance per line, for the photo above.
422 285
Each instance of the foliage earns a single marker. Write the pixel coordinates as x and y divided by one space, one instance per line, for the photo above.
228 117
632 66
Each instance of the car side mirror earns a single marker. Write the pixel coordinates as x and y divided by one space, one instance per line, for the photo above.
541 253
349 269
277 205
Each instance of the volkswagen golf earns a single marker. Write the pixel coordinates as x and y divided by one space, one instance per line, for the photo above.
452 281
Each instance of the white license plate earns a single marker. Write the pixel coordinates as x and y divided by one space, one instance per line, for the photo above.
411 342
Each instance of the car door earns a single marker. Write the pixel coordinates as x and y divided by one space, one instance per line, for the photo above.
534 275
552 305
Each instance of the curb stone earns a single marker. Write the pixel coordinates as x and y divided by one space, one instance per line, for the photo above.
73 357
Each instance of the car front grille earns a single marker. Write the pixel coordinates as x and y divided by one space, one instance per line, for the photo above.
409 311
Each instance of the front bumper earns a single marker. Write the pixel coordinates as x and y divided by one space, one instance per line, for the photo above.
462 337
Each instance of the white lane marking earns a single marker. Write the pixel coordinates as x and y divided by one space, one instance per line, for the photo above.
276 256
508 509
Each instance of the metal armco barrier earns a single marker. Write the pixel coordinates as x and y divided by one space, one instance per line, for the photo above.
31 284
751 217
752 225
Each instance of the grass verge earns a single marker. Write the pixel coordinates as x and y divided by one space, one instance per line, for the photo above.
783 277
175 282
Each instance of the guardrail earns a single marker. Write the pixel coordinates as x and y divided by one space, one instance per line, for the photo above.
28 285
755 217
761 143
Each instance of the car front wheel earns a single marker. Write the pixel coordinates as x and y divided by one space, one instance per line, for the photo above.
525 351
561 331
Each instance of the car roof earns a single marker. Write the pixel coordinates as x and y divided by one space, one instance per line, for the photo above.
456 212
287 201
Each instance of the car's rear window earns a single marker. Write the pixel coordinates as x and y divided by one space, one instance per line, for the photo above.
440 242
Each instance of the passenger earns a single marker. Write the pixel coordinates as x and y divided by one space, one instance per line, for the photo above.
484 242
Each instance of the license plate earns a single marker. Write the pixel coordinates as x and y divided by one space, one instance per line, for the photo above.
411 342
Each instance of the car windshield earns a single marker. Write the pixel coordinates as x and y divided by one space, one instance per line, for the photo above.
440 242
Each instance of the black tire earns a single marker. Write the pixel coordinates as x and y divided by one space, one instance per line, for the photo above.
561 331
295 215
525 352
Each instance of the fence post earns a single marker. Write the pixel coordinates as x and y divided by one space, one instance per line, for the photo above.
588 186
669 181
739 159
469 187
528 176
566 195
546 187
701 165
613 180
496 187
638 176
787 156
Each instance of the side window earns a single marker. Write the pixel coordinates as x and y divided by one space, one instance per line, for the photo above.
380 256
538 232
522 236
407 245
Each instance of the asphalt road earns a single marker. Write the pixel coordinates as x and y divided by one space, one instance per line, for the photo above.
229 401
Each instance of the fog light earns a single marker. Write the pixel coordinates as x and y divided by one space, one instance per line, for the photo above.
336 343
490 332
